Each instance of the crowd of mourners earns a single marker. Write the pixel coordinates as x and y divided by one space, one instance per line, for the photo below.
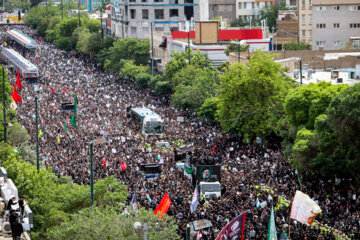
103 101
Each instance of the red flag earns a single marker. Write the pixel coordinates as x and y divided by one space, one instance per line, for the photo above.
163 206
18 81
103 162
37 60
64 90
123 166
15 95
213 152
52 90
39 41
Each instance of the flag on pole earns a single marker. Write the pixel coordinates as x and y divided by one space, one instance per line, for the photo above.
158 157
242 177
65 129
133 203
272 229
64 90
148 198
347 208
257 203
199 235
58 138
195 200
41 133
283 236
304 209
52 90
123 166
103 162
213 151
73 119
18 81
15 95
234 229
163 206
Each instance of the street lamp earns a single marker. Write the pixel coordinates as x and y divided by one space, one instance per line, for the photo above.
138 226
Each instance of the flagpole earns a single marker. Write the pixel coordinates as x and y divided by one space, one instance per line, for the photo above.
3 82
91 174
37 136
289 227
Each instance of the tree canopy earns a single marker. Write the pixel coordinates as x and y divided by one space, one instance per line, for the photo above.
250 98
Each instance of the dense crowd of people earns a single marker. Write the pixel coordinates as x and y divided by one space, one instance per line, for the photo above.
103 100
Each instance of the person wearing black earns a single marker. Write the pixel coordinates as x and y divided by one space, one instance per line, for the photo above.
22 206
11 202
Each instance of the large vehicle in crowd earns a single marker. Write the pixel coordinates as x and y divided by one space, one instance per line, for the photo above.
21 38
147 121
27 70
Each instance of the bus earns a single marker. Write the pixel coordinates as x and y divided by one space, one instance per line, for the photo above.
26 69
23 39
147 121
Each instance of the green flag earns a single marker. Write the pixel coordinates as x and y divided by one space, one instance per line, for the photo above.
272 228
73 119
65 129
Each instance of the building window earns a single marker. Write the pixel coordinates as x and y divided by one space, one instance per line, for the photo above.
310 19
303 19
336 43
336 8
240 5
310 33
336 25
159 29
321 25
303 33
310 4
303 4
174 12
320 8
159 13
158 0
132 0
356 44
354 25
145 14
132 13
320 43
354 8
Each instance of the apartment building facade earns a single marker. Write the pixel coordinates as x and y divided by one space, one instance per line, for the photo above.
133 18
334 23
305 20
247 10
224 8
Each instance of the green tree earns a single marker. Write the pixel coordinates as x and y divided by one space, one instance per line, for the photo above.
109 192
192 86
239 23
179 61
127 49
130 70
107 223
17 135
233 47
35 15
208 108
270 15
297 46
251 98
142 79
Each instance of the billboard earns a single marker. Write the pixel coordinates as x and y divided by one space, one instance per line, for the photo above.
208 173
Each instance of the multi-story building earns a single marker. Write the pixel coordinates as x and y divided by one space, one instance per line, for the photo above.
133 18
334 23
247 10
224 8
305 20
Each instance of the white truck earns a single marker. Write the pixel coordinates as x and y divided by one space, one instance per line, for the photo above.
210 189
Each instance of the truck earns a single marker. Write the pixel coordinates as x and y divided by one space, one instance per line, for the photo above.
210 189
147 121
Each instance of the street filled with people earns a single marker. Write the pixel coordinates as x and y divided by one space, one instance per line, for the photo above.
103 102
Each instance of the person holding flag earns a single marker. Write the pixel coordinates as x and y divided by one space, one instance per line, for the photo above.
163 206
18 81
73 119
272 229
195 200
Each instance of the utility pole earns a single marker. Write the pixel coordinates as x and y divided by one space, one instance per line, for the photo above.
239 52
122 25
102 28
62 10
188 232
4 98
300 71
91 174
46 5
189 44
152 49
79 13
37 136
